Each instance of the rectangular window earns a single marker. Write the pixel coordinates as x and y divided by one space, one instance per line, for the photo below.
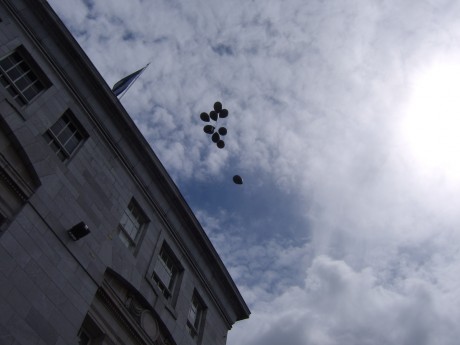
90 333
84 338
131 223
195 318
18 77
166 271
65 136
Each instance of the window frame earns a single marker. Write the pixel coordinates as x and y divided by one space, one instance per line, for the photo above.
17 67
55 133
89 332
195 325
124 234
165 256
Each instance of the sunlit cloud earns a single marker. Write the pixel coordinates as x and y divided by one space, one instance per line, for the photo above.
343 122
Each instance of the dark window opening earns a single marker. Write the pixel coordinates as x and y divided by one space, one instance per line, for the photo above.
20 79
166 272
131 225
65 136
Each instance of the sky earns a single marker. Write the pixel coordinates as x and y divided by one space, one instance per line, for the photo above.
343 122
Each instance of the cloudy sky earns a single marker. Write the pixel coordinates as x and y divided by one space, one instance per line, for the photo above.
344 123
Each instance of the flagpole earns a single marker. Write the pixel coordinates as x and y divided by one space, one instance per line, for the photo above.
142 71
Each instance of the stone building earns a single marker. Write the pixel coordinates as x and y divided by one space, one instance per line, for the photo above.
97 245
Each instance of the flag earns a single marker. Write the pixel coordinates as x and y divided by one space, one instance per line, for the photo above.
124 83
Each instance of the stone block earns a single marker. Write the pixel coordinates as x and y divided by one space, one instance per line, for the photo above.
41 326
14 249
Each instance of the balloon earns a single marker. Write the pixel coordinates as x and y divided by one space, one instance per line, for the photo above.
204 117
223 113
213 115
237 179
217 106
222 131
215 137
208 129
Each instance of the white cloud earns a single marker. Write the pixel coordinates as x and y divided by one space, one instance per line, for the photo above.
338 305
317 93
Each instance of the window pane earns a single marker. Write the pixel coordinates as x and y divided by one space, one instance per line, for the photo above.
18 71
131 227
14 73
26 81
7 63
64 137
22 82
192 315
31 92
3 80
163 273
65 134
124 238
124 219
195 315
58 126
17 76
135 222
72 144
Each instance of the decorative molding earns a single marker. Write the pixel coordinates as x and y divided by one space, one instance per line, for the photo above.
133 314
110 302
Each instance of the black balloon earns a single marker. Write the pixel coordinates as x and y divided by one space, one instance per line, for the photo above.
223 113
213 115
215 137
217 106
237 179
222 131
204 117
209 129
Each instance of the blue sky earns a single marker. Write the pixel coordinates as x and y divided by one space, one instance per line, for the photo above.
343 123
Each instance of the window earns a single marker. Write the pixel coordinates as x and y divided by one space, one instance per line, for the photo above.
84 338
90 333
65 136
131 223
195 316
18 78
166 271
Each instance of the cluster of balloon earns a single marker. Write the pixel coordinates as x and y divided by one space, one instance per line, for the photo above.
214 115
216 135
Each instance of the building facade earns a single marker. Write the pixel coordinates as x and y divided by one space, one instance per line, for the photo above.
97 245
